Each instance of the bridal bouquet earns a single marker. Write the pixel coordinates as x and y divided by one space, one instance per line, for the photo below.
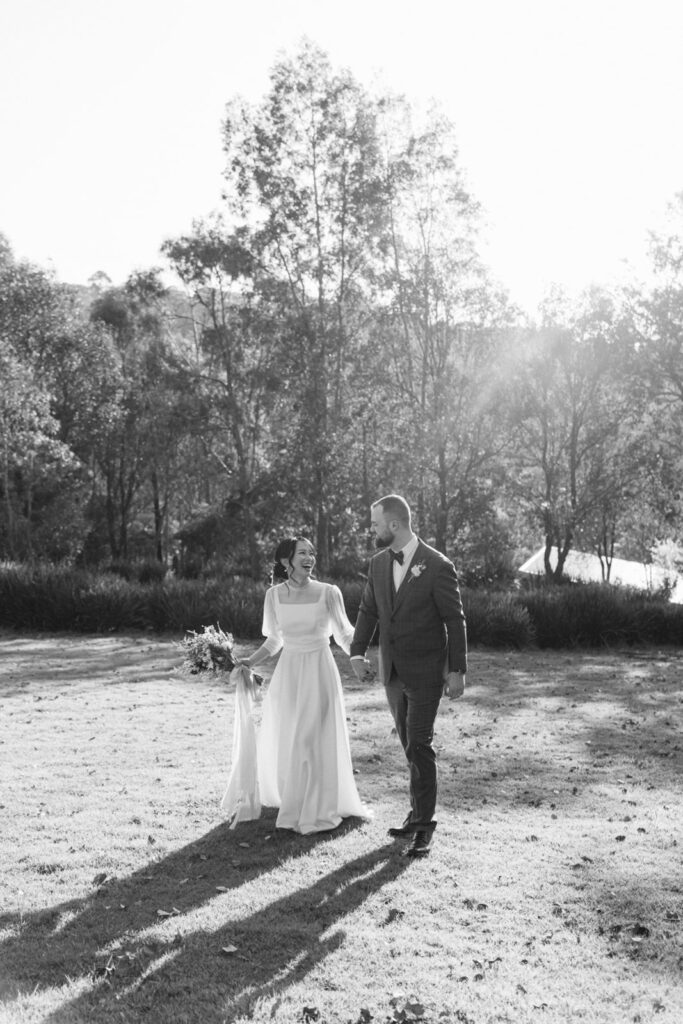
208 651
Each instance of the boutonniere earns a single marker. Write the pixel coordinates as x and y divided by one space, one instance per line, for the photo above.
417 570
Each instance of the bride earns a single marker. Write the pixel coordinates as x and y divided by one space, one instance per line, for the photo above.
303 754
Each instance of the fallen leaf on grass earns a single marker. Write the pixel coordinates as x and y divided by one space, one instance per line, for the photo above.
98 879
364 1017
168 913
412 1010
104 966
228 950
222 888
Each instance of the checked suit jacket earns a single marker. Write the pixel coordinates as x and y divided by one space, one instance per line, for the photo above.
422 632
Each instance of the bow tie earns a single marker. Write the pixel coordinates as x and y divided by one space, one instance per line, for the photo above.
396 556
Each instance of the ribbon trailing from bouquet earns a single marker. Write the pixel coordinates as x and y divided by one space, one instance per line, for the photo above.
242 801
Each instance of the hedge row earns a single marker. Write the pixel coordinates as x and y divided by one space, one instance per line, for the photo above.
53 598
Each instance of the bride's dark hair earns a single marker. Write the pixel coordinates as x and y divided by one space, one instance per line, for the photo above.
285 549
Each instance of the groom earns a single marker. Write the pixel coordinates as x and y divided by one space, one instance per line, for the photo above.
412 593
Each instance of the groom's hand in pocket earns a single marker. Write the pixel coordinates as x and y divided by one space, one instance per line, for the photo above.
454 685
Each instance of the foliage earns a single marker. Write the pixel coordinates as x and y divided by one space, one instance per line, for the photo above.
337 337
38 473
208 651
144 571
497 619
567 415
436 328
596 615
59 598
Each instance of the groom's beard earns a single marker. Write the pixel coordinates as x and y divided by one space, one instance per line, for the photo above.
383 542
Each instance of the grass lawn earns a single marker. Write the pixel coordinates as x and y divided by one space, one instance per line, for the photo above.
554 892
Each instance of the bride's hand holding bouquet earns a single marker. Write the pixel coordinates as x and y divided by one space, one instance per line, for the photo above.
212 650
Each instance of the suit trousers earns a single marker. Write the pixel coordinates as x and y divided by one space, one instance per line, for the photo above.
414 713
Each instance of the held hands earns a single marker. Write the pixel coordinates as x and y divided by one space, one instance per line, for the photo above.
363 669
454 685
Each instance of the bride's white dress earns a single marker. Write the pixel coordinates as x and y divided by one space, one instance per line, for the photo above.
304 759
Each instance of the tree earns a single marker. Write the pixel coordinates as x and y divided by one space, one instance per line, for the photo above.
655 324
235 373
30 454
304 191
567 412
42 483
440 328
135 443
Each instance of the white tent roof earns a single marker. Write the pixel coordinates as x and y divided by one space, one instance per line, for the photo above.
584 566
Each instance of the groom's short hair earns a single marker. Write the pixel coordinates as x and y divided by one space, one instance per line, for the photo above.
395 507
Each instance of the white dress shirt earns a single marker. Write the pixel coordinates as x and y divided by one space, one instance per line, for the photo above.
400 570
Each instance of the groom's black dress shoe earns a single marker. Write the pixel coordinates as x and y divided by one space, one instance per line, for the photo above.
406 829
420 844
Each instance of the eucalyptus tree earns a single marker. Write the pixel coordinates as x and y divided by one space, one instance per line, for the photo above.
655 322
569 417
135 444
42 480
32 463
441 328
304 186
233 370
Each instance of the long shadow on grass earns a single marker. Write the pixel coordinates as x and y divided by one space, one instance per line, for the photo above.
273 948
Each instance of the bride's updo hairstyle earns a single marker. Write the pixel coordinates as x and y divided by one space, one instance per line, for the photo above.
285 549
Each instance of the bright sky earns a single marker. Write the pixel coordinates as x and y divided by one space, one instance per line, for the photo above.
568 116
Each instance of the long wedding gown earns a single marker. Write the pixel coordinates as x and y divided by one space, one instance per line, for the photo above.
304 758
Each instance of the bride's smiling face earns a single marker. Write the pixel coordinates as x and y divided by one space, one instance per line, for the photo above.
302 561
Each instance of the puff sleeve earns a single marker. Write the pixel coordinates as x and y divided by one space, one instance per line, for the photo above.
342 630
271 627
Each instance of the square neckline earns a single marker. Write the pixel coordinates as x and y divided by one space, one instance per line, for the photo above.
302 604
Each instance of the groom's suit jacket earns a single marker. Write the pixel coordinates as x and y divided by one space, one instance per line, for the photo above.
421 627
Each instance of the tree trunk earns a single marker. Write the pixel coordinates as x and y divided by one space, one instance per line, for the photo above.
158 518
